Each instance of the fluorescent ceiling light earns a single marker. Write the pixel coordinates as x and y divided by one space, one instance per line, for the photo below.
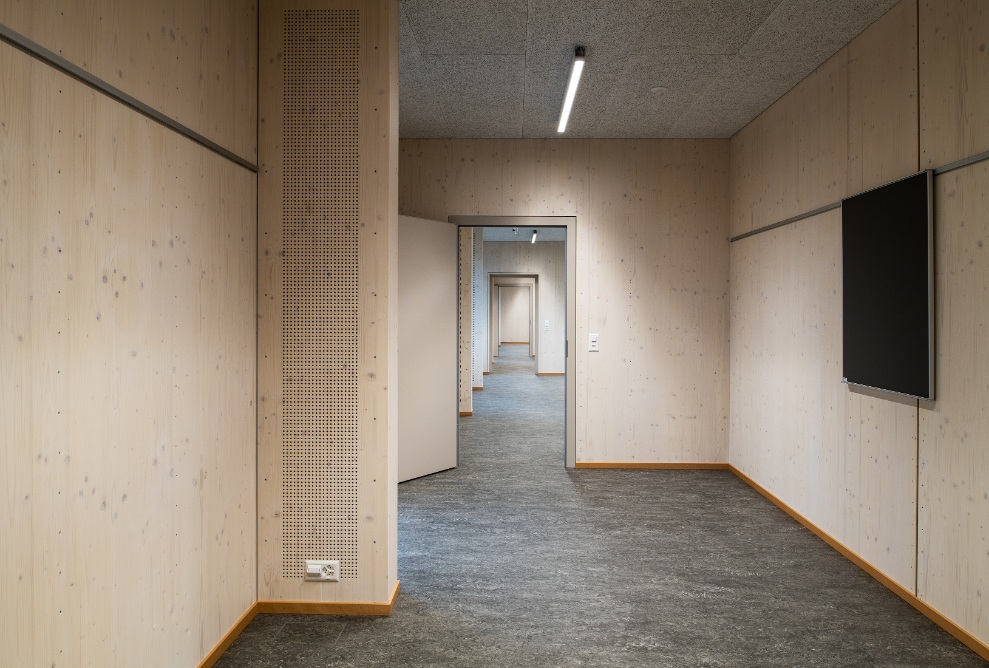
534 236
575 70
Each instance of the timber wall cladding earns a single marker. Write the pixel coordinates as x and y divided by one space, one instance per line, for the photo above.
127 273
794 428
953 550
194 61
327 235
904 486
652 274
319 290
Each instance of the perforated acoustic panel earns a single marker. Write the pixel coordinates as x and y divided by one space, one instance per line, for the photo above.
464 318
480 311
320 289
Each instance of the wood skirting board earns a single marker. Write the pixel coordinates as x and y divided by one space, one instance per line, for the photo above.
551 373
477 389
466 413
229 637
385 609
931 613
719 466
299 608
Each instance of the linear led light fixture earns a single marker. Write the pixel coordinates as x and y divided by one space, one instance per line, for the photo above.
575 70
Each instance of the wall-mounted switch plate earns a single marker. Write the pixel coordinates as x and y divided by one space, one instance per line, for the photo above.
322 570
593 345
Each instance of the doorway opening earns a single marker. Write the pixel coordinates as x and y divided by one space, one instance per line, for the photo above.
513 309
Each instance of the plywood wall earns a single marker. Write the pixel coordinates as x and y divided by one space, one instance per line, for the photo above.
954 68
193 61
127 359
329 67
867 467
954 430
846 460
652 274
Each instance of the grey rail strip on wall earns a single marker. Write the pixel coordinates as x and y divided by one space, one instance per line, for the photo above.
944 169
34 49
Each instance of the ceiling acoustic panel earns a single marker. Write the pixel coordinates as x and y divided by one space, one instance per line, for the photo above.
655 68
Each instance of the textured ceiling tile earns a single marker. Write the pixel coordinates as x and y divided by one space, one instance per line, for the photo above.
447 27
654 94
721 63
791 43
462 96
699 26
555 29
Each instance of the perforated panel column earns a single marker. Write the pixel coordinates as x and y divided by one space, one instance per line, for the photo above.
465 318
479 295
320 289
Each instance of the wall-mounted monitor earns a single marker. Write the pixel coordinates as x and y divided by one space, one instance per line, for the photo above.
888 277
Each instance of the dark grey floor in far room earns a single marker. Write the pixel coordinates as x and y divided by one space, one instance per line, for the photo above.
511 560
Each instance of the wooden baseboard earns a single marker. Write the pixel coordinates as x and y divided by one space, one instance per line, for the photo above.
229 637
331 608
658 466
514 343
485 373
466 413
924 608
551 373
302 608
477 389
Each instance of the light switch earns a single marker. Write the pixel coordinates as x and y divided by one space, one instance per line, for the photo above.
593 347
546 326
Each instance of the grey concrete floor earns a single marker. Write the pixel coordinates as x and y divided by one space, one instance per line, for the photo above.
511 560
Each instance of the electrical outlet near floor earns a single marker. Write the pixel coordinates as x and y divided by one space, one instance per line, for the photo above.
322 570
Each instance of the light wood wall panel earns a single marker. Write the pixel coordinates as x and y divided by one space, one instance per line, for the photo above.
195 62
127 359
954 429
375 175
657 295
942 455
515 304
652 279
846 460
849 126
882 101
954 91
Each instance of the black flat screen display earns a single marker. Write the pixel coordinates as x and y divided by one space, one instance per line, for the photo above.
887 259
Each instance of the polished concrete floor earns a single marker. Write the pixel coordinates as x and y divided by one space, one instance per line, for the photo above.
511 560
